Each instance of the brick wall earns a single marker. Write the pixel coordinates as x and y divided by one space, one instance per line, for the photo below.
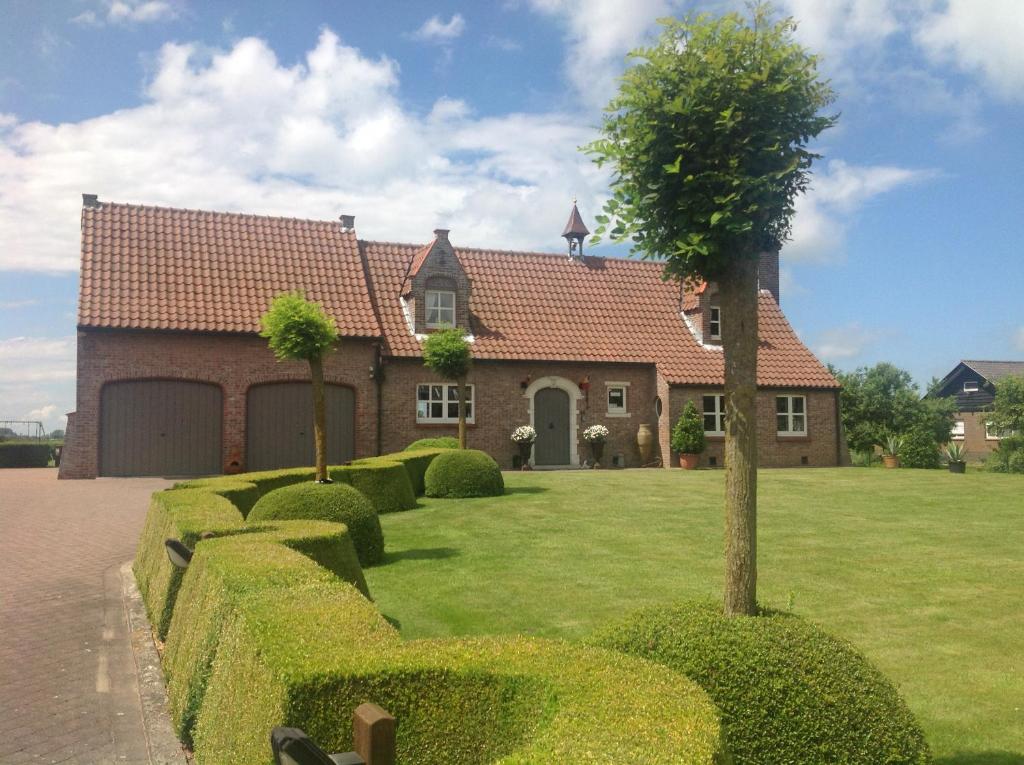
978 447
819 446
501 405
234 362
768 273
441 270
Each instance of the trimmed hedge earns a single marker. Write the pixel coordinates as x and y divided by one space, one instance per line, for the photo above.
242 494
415 463
513 700
464 473
788 692
335 502
221 573
442 442
22 455
384 481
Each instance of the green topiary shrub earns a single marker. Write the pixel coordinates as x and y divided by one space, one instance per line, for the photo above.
242 494
920 449
464 473
415 463
336 502
441 442
23 455
788 692
1008 456
463 702
385 483
688 433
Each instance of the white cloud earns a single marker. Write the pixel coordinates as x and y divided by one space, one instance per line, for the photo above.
839 190
1018 339
37 379
837 28
979 37
128 12
436 31
11 305
238 130
845 342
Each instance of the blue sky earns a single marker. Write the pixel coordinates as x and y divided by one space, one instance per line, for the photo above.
468 114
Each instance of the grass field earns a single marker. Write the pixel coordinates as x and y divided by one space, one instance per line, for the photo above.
922 570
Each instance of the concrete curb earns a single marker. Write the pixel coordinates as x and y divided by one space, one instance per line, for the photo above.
164 747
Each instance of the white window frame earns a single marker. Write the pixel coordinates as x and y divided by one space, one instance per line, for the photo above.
447 400
441 310
973 386
959 430
715 322
718 412
996 436
617 411
789 414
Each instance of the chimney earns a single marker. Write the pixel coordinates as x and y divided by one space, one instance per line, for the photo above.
768 273
441 234
348 222
91 200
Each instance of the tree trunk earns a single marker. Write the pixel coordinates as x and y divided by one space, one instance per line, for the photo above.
738 296
462 413
316 373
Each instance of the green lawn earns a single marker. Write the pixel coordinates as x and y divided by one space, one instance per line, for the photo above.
923 570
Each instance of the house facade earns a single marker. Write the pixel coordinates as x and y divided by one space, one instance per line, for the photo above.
973 385
173 378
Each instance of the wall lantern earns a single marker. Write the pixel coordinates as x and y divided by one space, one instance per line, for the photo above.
585 384
178 552
373 735
525 382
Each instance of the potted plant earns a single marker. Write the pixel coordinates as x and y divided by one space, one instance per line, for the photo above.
524 436
891 448
956 455
688 437
596 435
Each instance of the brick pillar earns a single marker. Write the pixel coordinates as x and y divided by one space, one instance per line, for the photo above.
768 273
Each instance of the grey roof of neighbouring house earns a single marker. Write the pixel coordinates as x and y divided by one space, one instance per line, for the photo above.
995 370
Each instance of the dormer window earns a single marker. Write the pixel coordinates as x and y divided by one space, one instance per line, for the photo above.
440 308
971 386
715 322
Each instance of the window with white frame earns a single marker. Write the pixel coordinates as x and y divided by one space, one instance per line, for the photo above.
791 415
970 386
715 322
617 399
439 403
992 433
957 432
440 308
714 415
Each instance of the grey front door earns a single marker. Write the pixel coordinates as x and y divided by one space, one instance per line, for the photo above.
551 420
160 427
279 425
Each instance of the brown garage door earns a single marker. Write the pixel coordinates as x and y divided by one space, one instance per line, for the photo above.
160 427
279 425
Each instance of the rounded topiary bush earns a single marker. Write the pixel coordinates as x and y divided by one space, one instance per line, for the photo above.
463 473
442 442
788 691
336 502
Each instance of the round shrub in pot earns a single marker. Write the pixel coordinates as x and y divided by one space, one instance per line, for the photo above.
464 473
336 502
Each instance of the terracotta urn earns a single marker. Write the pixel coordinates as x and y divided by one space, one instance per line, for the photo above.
689 461
890 461
645 441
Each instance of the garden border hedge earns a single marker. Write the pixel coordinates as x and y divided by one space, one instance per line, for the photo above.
24 455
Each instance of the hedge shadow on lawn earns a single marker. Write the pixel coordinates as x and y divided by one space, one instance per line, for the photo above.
526 489
982 758
427 553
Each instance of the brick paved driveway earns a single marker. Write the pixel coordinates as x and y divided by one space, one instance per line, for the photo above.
68 690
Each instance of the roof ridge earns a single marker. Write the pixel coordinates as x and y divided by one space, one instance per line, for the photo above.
168 208
501 251
991 361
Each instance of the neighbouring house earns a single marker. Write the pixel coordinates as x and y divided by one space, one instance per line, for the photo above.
173 378
973 384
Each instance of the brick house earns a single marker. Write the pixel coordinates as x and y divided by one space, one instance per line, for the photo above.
973 384
173 378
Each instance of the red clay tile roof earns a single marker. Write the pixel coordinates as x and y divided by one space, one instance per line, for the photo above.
163 268
539 306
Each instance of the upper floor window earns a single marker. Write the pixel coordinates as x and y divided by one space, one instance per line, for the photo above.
714 415
617 399
992 433
970 386
439 403
791 415
958 430
715 322
440 308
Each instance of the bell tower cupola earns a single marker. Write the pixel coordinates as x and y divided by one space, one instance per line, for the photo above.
575 232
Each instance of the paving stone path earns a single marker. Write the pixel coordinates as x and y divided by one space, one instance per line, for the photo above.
68 689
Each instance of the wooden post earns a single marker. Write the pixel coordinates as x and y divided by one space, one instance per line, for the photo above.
373 733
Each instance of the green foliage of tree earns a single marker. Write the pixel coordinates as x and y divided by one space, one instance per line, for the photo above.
688 433
708 139
1008 406
447 353
298 329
